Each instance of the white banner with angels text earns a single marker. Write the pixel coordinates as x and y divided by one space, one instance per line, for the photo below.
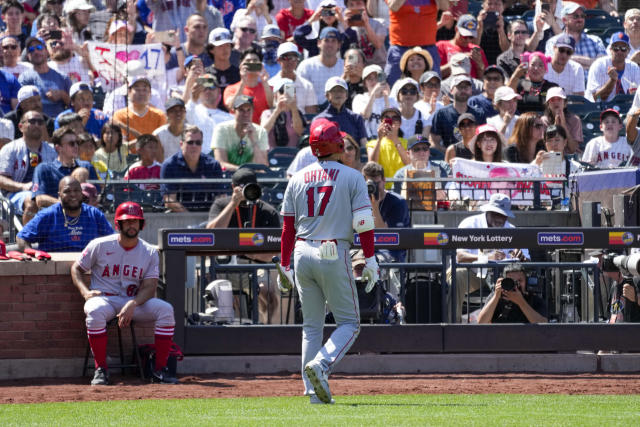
521 192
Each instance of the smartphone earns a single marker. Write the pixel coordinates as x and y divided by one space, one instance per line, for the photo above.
491 19
352 59
166 37
206 81
254 66
55 35
289 90
355 20
382 77
387 121
546 7
524 60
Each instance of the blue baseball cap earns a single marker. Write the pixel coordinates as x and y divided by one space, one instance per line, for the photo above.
467 26
328 32
619 37
566 40
417 139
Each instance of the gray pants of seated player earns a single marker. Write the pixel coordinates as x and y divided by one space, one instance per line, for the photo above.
466 282
319 283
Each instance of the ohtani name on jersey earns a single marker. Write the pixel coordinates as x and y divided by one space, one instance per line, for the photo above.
321 175
127 271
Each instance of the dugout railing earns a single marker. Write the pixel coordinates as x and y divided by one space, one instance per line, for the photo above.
176 245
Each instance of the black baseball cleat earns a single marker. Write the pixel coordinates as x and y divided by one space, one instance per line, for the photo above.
100 377
163 377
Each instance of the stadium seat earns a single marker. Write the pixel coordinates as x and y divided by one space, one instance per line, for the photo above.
606 34
581 106
598 18
591 121
136 361
281 157
621 103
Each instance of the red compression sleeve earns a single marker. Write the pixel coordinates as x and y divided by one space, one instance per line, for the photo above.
366 241
287 241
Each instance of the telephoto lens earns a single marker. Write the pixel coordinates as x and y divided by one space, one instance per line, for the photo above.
251 192
508 284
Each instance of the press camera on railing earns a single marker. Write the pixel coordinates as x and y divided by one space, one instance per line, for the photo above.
218 297
629 265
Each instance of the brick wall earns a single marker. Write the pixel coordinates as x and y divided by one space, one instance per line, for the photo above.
41 313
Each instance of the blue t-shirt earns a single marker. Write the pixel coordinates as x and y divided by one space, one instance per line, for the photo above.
445 123
483 103
349 122
97 119
395 212
9 88
51 80
47 176
194 197
48 229
228 8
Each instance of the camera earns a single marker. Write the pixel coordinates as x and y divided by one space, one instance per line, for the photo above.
372 188
608 266
327 11
508 284
251 191
628 265
254 66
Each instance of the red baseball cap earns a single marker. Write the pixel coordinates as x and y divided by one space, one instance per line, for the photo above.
610 111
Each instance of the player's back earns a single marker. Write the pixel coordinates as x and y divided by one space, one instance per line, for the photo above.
322 197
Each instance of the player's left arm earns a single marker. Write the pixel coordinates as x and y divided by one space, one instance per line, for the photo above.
146 291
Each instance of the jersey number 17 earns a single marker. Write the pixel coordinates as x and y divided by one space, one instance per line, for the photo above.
324 193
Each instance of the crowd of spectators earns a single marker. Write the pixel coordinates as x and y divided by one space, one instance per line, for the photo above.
413 85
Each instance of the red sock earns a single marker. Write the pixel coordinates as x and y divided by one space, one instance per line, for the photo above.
98 344
163 339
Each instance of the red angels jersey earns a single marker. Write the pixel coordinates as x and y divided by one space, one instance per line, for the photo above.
116 270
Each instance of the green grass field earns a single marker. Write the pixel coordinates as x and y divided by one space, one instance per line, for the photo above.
396 410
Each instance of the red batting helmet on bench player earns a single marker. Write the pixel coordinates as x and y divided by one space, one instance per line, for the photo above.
129 210
325 138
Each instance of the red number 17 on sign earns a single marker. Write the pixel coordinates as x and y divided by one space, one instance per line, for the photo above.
325 194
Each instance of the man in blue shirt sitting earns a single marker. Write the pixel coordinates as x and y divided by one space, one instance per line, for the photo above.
67 226
337 92
47 176
190 163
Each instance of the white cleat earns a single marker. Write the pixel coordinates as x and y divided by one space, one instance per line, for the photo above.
319 381
314 400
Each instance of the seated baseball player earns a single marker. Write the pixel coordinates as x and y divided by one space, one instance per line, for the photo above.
67 226
124 277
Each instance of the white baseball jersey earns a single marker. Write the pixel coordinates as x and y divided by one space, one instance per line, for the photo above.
323 197
116 270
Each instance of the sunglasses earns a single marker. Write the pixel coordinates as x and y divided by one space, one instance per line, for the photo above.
579 16
197 142
520 32
248 30
565 50
55 43
35 121
466 125
431 85
494 79
34 48
418 149
289 57
10 46
619 48
411 91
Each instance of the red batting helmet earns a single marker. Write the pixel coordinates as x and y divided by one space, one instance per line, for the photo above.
130 210
325 138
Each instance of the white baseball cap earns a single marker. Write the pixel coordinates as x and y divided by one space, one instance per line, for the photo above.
72 5
77 87
505 93
373 68
555 91
220 36
335 81
287 47
27 92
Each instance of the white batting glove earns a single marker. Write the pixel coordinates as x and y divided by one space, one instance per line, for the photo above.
370 273
285 278
328 250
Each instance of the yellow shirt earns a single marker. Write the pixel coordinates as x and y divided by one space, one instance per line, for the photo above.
389 157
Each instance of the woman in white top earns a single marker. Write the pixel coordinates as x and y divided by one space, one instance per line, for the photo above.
407 92
371 104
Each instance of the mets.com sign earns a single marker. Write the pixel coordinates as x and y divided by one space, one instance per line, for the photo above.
190 239
576 238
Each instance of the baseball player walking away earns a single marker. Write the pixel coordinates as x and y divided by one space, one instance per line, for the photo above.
323 204
124 277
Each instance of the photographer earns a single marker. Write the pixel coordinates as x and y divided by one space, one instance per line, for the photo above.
623 294
244 209
510 302
389 208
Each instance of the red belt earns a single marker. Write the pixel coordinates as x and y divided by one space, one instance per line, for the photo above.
321 241
110 295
